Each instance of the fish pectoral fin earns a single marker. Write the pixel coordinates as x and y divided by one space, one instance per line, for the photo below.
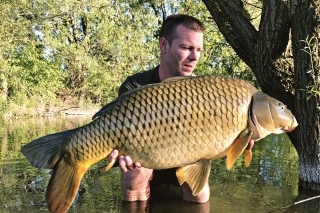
237 147
247 157
107 167
196 175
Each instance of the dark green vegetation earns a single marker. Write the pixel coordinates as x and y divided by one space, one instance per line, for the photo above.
77 53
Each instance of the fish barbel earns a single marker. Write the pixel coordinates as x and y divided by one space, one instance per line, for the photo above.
183 122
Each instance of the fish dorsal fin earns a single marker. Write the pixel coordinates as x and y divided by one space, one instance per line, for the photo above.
196 175
176 78
238 147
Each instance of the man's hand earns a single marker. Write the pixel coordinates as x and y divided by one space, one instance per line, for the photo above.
125 162
135 179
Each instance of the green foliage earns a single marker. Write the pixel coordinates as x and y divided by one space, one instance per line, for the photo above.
32 77
80 51
311 48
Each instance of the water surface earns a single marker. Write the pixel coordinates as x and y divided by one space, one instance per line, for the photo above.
269 184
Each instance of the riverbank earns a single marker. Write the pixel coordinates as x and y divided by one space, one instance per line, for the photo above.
22 112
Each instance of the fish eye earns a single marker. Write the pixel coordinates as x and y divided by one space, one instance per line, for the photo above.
281 105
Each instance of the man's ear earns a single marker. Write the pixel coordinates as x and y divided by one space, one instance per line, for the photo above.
163 43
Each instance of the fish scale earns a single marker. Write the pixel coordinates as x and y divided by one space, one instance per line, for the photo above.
182 122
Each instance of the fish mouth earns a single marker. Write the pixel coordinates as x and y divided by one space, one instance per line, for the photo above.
293 125
289 129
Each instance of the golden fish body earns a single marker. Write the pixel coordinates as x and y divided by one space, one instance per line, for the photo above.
182 122
170 124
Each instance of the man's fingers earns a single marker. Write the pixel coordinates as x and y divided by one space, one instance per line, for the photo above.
250 145
113 155
137 165
130 165
122 164
125 164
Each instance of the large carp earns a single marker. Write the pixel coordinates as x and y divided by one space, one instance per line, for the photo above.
182 122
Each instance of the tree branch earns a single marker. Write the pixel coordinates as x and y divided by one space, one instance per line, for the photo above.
274 27
264 51
273 54
234 23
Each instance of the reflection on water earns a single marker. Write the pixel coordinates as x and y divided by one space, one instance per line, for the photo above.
269 184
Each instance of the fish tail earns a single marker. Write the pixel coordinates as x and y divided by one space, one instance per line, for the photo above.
46 151
63 185
49 152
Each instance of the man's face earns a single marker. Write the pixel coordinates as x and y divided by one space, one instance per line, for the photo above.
182 55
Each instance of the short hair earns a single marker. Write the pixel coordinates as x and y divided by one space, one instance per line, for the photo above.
170 24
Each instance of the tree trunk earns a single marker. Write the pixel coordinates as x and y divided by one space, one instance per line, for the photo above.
280 66
305 29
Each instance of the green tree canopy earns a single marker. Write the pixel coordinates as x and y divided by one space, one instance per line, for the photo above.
79 52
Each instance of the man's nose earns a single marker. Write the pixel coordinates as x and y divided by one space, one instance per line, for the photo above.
194 55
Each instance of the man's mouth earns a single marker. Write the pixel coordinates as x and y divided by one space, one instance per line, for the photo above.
189 66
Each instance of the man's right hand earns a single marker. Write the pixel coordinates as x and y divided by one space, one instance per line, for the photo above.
125 162
135 179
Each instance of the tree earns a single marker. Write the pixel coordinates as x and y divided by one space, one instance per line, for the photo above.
80 52
27 74
283 53
75 51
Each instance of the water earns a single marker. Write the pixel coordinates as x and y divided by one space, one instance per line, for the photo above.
270 183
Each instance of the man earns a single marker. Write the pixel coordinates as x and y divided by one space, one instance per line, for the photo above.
180 42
